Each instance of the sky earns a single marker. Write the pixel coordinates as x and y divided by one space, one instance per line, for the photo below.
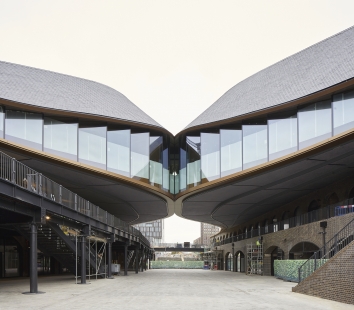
173 59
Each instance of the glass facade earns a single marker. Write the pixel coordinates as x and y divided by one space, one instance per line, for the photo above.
255 146
140 143
343 112
231 151
24 128
118 151
282 136
92 146
210 156
315 123
2 122
60 138
193 159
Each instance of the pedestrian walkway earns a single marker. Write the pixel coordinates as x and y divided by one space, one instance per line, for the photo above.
162 289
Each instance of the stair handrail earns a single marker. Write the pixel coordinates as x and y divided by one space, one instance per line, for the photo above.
339 241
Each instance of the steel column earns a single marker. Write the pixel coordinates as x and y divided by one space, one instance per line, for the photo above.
136 260
33 260
126 260
142 260
83 260
109 260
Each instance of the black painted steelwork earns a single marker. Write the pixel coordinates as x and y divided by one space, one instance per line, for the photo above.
33 260
83 260
136 260
126 259
109 263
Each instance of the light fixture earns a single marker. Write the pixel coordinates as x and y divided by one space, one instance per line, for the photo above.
47 217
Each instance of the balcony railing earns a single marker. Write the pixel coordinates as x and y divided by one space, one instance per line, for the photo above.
25 177
327 212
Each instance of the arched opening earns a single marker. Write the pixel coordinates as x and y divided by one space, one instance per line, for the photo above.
333 199
275 224
240 261
297 214
285 220
351 196
220 262
303 250
312 208
251 232
266 226
228 261
270 255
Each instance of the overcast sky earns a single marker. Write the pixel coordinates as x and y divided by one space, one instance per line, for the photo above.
173 59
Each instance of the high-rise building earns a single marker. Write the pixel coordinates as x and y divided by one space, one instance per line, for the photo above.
153 231
207 231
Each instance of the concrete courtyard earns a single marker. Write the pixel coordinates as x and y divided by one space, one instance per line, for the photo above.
162 289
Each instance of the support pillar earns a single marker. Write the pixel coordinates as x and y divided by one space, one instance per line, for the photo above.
142 260
136 260
83 260
109 276
126 259
33 261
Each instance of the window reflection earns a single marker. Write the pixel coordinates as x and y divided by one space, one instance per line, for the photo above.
92 146
255 149
24 128
210 156
282 137
2 122
315 123
60 138
140 143
156 144
118 151
231 151
193 161
343 112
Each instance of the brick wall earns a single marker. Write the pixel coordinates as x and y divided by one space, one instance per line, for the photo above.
287 239
334 280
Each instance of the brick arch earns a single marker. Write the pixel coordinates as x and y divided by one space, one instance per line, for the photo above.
240 262
333 198
270 254
303 250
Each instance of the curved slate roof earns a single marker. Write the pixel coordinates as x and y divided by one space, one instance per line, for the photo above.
57 91
317 67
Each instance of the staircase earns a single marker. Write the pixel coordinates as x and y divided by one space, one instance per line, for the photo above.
52 241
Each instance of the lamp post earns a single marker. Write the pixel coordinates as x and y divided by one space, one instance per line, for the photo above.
233 257
323 225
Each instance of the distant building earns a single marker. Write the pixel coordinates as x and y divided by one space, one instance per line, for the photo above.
207 231
153 231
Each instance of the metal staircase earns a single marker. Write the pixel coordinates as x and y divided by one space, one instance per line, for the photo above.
52 241
340 240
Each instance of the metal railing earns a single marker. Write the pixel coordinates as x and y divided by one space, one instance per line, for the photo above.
340 208
23 176
332 247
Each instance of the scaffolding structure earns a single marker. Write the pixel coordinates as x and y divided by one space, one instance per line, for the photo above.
255 258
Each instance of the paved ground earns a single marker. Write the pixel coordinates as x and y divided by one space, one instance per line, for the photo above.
162 289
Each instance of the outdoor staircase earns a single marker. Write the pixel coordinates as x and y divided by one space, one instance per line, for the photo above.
52 241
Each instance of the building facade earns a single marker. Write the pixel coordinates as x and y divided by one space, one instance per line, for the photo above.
153 231
206 232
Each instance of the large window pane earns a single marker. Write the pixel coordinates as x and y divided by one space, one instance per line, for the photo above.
92 146
343 112
118 151
165 170
315 123
2 122
255 149
193 161
231 151
282 137
140 143
183 171
60 138
210 156
24 128
156 145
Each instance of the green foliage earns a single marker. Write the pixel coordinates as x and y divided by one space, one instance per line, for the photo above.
288 269
177 265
